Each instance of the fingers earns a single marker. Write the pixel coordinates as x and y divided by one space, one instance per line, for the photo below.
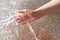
18 18
21 19
21 11
23 16
31 20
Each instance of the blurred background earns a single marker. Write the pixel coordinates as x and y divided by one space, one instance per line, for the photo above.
49 23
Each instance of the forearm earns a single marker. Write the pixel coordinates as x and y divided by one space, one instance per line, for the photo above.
49 8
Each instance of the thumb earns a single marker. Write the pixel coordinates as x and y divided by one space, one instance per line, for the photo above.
19 11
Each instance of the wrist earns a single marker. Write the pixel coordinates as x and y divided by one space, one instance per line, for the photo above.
36 14
41 12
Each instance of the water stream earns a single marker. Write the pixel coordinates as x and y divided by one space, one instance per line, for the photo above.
9 21
9 29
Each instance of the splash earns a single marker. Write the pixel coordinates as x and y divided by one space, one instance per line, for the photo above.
9 21
32 31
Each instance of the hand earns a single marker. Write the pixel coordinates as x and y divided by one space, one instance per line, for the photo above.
26 16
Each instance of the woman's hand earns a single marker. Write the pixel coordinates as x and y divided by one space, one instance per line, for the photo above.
26 16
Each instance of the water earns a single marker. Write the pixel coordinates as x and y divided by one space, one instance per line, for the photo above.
32 31
7 22
10 21
6 30
8 27
11 32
